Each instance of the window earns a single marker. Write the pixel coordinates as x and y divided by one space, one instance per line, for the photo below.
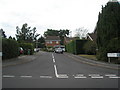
50 42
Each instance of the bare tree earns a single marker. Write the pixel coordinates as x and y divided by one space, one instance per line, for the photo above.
81 32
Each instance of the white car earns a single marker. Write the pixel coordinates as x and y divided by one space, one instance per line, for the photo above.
58 50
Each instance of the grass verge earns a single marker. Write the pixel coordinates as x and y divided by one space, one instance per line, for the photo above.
89 56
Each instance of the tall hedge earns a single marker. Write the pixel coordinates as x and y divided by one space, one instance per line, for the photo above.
27 47
108 30
76 46
9 48
90 47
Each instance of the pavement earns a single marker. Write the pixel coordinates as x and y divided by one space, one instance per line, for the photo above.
19 60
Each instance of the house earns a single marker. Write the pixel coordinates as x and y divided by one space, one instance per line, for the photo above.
92 36
51 41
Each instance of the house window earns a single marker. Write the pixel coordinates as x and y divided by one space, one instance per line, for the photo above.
57 42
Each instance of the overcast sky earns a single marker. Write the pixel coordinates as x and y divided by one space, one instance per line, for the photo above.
52 14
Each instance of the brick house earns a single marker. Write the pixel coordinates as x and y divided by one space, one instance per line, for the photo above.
51 41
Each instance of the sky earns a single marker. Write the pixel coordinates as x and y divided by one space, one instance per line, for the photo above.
49 14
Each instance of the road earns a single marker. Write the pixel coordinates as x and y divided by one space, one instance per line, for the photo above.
51 70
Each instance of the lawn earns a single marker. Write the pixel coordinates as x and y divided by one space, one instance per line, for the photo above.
89 56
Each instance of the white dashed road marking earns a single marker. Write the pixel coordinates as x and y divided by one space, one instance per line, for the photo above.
79 76
110 75
62 76
8 76
114 77
26 76
96 76
45 76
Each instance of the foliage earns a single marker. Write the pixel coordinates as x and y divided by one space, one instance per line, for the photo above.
81 33
9 48
2 33
61 33
76 46
26 34
27 47
41 42
108 29
90 47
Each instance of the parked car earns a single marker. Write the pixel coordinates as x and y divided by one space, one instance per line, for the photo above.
21 51
58 50
36 49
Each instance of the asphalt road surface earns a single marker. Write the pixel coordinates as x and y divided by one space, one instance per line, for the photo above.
51 70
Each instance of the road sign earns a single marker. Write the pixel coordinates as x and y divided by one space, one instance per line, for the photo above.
113 54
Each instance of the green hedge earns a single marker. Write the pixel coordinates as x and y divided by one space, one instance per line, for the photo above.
90 47
76 47
28 48
9 48
112 47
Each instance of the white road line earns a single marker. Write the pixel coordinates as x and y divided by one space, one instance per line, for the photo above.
45 76
53 56
25 76
93 75
79 74
96 76
62 76
80 77
8 76
56 74
114 77
110 75
53 60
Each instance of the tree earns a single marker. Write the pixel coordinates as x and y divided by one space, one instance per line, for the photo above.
107 29
81 33
2 33
10 37
61 33
26 34
41 42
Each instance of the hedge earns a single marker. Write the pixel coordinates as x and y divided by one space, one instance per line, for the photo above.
112 47
9 48
27 47
90 47
76 47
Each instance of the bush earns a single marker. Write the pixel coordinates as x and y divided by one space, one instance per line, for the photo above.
90 47
112 47
27 47
9 48
76 47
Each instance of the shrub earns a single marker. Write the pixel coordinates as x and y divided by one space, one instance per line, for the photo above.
76 46
27 47
9 48
112 47
90 47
